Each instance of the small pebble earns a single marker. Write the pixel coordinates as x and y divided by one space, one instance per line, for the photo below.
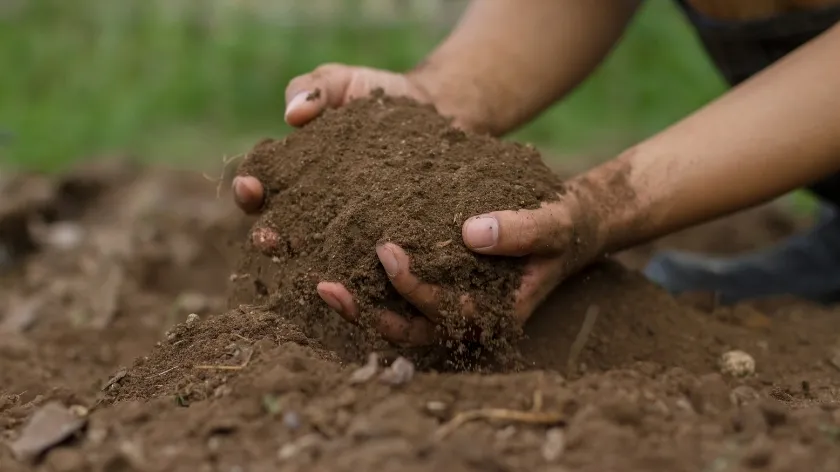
79 410
400 372
192 320
363 374
554 445
294 448
737 364
291 420
436 407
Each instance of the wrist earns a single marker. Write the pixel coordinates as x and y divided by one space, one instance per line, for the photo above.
611 211
453 94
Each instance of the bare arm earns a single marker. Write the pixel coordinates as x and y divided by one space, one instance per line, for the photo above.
507 61
776 132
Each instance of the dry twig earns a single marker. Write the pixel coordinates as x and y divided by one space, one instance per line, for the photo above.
228 367
583 335
226 161
528 417
162 373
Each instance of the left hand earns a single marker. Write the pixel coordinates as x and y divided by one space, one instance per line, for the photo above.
547 236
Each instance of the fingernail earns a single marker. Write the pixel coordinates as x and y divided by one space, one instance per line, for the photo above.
331 300
388 260
238 190
295 102
481 232
248 193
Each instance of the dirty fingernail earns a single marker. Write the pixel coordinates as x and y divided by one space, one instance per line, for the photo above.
388 260
248 192
296 101
481 232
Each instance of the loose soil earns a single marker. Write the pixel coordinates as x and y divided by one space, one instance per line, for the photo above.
98 286
386 170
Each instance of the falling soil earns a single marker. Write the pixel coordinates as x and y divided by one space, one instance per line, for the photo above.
117 354
388 170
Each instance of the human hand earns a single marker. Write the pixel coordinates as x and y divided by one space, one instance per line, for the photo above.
328 86
548 237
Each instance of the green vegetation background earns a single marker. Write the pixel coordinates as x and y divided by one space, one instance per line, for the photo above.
182 81
166 83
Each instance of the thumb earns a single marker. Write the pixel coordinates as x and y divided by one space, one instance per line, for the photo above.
546 230
308 95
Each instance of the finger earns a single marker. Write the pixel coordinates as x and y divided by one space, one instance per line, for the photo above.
308 95
541 276
339 299
248 193
430 299
518 233
415 332
392 327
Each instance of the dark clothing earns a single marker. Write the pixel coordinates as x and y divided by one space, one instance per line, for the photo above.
741 49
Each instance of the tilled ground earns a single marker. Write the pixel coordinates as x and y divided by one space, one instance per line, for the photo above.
103 369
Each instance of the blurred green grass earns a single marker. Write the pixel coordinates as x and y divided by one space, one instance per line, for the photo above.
94 76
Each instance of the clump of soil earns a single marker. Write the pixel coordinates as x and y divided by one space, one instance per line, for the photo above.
386 169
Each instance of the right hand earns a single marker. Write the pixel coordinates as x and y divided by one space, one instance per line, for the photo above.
308 95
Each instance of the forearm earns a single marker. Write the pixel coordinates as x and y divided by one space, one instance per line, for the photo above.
775 133
507 61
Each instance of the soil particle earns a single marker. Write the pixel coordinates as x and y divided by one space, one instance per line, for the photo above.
388 170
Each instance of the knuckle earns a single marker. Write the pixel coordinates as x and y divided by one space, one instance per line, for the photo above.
298 83
326 69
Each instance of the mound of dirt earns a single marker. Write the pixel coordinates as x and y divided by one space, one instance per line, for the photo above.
118 377
389 170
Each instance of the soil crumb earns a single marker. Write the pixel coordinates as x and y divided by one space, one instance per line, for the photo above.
386 169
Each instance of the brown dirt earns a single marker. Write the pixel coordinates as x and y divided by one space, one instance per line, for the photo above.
386 170
95 318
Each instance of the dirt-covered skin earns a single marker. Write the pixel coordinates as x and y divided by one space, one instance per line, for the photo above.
246 389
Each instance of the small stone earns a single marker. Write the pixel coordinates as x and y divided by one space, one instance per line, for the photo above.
292 449
65 236
363 374
192 320
79 410
51 425
436 407
554 445
439 410
737 364
400 372
291 420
